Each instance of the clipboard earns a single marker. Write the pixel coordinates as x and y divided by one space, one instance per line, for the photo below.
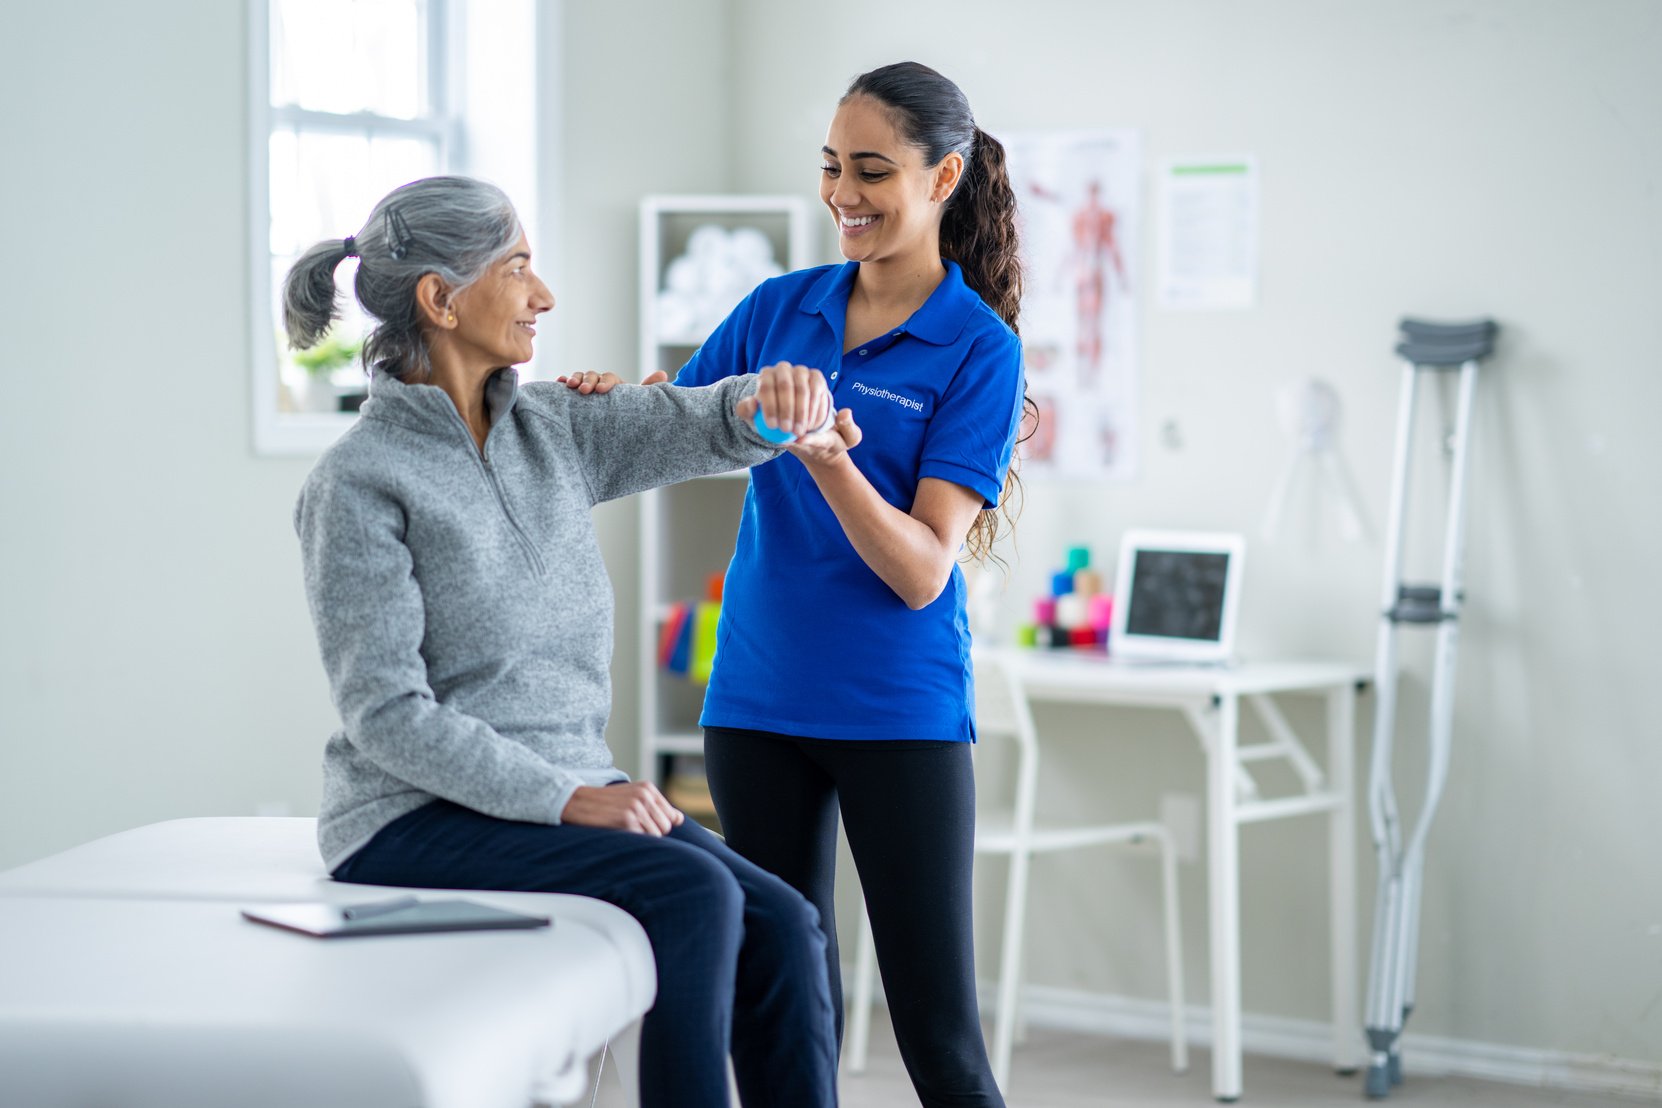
400 916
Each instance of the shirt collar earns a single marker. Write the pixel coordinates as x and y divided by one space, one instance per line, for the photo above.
939 321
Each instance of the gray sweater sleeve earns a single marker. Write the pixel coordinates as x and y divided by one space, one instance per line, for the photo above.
642 436
368 612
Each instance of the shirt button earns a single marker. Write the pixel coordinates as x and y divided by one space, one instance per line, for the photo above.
833 375
862 351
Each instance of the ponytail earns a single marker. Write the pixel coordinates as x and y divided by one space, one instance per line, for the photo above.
309 302
978 232
978 229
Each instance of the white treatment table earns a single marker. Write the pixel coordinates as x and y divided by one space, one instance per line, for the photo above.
127 976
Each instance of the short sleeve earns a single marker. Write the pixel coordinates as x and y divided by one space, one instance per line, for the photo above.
724 353
973 431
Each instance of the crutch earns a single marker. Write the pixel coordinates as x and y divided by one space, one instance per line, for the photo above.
1426 347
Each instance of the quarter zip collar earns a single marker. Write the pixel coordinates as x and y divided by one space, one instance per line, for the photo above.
429 408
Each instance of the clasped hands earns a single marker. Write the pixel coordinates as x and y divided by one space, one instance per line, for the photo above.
791 398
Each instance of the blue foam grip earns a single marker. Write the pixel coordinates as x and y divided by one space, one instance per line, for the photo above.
771 434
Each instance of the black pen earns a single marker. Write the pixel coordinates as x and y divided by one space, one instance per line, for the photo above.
378 907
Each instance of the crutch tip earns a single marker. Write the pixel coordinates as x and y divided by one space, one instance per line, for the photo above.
1377 1086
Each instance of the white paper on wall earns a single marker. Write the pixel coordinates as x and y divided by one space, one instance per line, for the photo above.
1208 238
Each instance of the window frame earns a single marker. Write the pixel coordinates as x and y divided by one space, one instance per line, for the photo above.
287 433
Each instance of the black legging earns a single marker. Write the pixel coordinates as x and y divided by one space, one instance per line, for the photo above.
909 807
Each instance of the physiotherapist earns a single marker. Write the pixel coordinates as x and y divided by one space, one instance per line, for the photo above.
842 675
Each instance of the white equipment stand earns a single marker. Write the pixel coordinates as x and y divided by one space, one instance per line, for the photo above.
1435 348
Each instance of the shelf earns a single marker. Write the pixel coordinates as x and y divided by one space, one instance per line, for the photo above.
678 742
687 530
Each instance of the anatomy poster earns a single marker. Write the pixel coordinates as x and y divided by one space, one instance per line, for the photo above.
1077 195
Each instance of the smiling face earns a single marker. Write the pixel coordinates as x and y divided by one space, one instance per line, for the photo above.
496 315
886 202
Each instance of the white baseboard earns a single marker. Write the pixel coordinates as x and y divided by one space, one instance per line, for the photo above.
1311 1041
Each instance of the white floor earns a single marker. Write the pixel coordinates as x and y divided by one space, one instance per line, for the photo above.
1060 1069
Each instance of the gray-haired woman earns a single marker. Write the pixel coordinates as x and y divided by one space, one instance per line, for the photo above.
465 623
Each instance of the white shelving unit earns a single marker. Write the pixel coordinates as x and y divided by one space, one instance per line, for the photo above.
687 530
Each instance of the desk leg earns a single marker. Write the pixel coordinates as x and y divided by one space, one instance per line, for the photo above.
1224 901
1341 748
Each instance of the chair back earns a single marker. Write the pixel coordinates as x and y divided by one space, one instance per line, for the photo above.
1002 714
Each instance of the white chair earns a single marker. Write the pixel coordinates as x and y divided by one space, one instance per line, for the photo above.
1003 714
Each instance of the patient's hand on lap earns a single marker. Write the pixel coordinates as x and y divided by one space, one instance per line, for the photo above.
635 806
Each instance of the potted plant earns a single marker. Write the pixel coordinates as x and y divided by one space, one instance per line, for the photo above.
317 392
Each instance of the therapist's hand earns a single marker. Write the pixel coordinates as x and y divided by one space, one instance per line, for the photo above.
602 383
830 444
633 806
591 381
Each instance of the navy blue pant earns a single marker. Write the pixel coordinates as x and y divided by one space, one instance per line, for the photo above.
909 808
740 954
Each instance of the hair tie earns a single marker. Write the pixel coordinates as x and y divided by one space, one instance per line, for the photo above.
351 246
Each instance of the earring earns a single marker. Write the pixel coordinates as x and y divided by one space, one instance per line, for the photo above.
450 319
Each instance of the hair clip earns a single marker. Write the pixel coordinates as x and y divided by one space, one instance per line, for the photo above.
399 239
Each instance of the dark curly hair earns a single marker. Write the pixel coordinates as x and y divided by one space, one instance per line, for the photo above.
978 230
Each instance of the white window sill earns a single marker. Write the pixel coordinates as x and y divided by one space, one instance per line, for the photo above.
290 433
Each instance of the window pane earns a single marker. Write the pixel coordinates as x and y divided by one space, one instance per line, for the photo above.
323 185
351 56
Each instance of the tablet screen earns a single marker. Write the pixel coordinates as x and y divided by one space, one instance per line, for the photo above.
1178 594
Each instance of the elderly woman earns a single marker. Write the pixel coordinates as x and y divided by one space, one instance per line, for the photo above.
465 622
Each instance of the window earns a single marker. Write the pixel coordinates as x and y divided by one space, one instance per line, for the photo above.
350 99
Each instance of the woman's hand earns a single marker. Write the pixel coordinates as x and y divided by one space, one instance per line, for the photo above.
591 381
602 383
635 806
830 444
791 398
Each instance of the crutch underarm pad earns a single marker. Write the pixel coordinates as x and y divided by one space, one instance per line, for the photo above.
1446 344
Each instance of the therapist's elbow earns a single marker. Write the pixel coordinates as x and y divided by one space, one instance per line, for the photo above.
925 592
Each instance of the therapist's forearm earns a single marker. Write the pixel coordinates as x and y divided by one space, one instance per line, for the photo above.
905 552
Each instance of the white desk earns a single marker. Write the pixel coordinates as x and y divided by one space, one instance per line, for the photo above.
1210 699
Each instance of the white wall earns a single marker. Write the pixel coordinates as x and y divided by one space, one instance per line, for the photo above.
643 109
156 659
1450 159
155 654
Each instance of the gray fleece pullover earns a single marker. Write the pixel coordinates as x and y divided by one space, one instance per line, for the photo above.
461 605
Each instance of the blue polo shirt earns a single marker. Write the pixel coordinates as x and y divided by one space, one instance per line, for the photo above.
812 642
